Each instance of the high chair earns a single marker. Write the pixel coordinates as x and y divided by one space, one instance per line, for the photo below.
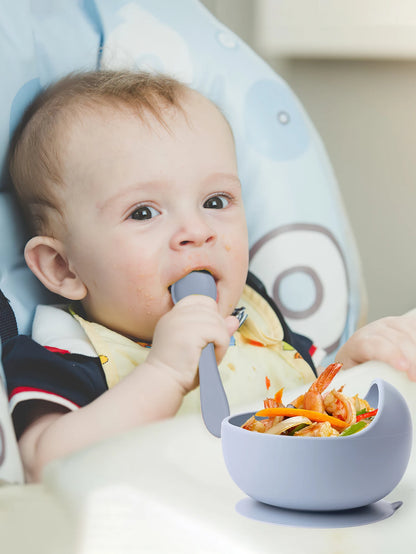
301 245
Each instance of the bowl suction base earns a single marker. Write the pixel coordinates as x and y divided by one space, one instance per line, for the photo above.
336 519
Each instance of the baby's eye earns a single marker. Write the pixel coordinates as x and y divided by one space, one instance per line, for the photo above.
144 212
217 202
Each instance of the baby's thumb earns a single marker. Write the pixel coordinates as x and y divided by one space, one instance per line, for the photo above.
232 324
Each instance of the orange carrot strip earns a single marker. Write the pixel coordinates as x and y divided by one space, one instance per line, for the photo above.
267 383
255 342
311 414
278 396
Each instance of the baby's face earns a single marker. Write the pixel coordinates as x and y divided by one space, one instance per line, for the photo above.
145 205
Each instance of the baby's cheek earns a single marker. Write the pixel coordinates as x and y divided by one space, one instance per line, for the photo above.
239 254
153 298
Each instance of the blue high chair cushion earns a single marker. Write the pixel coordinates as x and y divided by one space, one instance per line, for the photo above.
301 245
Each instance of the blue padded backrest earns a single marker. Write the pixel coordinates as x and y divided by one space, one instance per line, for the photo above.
300 240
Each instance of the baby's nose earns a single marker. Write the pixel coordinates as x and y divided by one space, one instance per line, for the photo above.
192 233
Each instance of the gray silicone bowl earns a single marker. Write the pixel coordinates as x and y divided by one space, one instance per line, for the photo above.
328 473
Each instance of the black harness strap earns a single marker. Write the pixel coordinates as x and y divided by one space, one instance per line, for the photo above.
8 325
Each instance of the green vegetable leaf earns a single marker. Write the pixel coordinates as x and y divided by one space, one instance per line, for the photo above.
354 428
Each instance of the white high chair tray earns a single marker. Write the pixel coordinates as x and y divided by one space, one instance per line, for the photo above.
165 488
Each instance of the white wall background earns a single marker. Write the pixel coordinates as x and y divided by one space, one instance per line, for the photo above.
361 95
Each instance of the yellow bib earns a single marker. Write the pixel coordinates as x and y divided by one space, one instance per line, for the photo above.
258 361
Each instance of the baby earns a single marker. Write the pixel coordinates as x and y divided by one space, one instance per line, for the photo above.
129 182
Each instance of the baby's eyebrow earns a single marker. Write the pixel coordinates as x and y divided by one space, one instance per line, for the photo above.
126 192
220 176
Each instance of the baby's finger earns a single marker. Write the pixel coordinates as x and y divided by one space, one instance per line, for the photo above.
383 349
407 347
403 351
412 372
232 324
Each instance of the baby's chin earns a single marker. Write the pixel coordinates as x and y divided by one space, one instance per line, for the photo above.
136 335
137 331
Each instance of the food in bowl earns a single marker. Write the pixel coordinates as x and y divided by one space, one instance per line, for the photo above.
314 413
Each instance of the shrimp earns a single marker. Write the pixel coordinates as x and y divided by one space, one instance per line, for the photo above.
253 424
312 399
271 403
298 402
275 402
324 429
340 406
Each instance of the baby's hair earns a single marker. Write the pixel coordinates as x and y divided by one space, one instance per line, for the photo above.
36 147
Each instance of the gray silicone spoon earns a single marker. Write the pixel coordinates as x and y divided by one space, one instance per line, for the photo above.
214 403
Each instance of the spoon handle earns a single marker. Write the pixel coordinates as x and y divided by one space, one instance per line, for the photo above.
214 403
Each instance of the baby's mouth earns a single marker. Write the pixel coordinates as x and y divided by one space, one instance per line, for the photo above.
194 271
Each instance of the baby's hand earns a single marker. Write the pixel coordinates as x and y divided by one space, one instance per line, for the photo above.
391 340
182 333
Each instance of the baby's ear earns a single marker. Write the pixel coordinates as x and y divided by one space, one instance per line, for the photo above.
46 258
